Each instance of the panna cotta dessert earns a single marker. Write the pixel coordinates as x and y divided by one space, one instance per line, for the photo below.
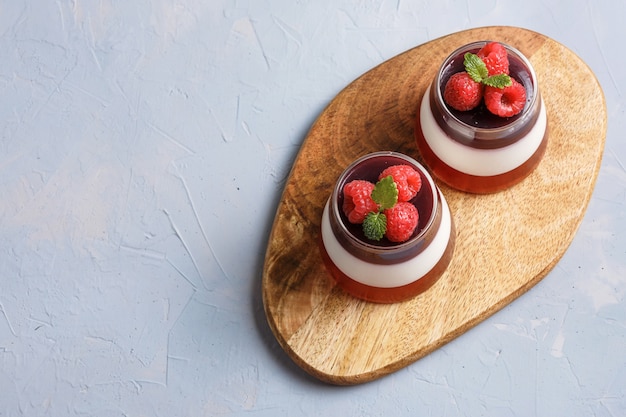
482 124
386 230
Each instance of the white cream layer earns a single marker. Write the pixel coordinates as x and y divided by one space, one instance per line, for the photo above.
388 276
480 162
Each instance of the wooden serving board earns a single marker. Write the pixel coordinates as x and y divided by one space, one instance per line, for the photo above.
506 242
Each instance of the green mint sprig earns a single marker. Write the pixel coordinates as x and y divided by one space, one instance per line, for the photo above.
375 225
385 195
477 70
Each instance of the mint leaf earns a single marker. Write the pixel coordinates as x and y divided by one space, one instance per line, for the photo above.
475 67
385 193
498 81
375 225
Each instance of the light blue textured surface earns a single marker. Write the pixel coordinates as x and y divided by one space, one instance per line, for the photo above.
144 147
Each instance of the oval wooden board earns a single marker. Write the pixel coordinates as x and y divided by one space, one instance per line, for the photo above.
506 242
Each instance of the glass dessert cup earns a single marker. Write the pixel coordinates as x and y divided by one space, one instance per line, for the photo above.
383 271
476 151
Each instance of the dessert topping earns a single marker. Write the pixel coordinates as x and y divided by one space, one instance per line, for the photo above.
477 69
357 200
385 194
495 57
383 208
488 68
462 93
408 181
507 101
401 221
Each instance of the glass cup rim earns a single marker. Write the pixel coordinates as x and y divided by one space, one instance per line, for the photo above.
371 247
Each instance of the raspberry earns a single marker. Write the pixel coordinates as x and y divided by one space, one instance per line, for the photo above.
401 221
505 102
357 200
495 57
408 181
462 93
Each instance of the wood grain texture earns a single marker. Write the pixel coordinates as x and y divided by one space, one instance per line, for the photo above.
506 242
